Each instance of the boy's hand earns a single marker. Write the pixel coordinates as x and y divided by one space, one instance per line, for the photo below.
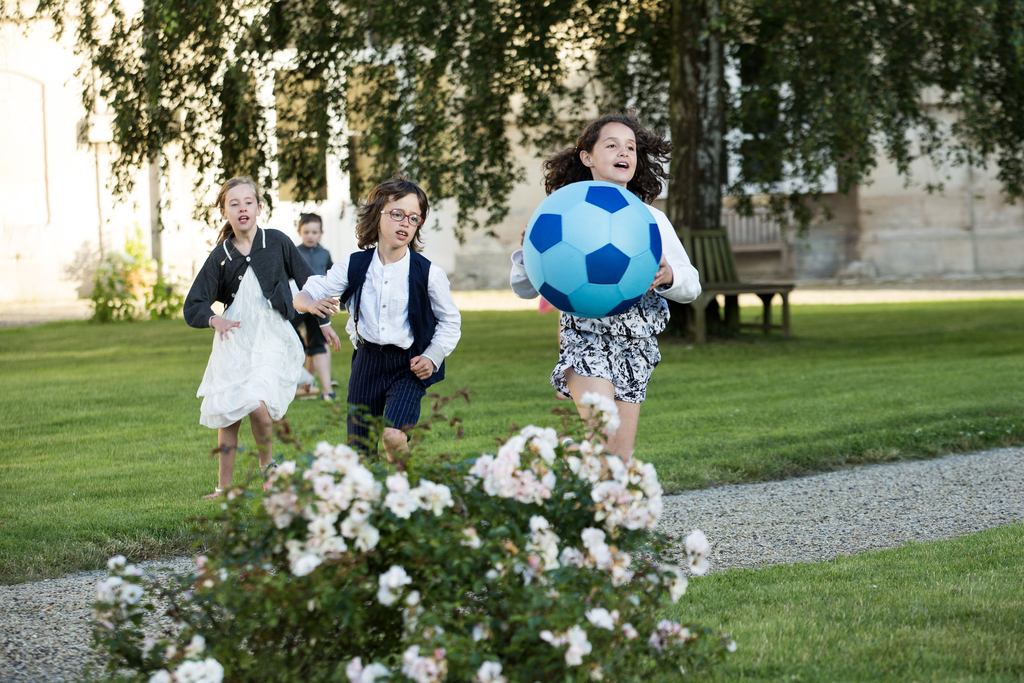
422 367
324 307
664 276
332 337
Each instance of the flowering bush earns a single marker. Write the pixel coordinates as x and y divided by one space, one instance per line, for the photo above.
126 287
537 563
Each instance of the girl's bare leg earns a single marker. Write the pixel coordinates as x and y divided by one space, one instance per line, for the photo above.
227 442
262 432
621 442
322 363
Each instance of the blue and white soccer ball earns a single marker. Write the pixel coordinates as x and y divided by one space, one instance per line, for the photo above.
592 249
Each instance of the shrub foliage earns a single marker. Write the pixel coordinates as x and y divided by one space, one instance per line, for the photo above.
540 562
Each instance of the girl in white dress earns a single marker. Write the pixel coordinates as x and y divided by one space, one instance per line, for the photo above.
257 359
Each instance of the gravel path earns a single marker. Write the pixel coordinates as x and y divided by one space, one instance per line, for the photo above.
43 625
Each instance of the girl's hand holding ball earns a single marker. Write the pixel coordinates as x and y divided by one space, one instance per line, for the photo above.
664 276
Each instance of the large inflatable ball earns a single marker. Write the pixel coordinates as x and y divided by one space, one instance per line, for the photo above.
592 249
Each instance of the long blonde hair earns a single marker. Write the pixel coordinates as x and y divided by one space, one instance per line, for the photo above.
222 197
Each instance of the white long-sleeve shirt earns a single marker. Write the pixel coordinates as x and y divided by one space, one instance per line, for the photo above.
685 285
384 305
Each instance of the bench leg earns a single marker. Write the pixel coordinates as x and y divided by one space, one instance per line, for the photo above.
732 312
766 302
700 319
785 315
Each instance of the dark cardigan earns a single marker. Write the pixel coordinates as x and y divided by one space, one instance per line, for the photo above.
220 276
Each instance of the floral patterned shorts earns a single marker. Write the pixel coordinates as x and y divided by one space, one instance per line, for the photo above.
626 362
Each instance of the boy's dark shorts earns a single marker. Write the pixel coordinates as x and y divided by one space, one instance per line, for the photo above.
314 342
382 381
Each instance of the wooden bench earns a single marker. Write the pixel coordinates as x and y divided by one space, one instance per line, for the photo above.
766 291
712 256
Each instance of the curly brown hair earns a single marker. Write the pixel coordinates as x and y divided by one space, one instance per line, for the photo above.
222 197
368 227
652 152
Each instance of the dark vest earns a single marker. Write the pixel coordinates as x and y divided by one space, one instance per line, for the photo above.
421 314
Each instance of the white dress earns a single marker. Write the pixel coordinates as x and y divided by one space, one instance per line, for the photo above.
260 361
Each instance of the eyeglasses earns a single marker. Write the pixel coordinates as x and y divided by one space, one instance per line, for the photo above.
397 215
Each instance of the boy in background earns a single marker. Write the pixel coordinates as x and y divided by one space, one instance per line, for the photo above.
318 354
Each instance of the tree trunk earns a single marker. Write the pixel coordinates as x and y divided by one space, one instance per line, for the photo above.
155 223
697 125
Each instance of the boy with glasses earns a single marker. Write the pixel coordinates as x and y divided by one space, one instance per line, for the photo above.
402 321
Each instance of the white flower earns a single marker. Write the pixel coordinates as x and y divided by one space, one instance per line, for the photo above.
391 581
697 543
115 562
542 441
629 631
357 674
161 676
591 469
398 483
367 538
423 669
323 486
592 537
363 484
196 646
677 583
605 408
571 557
481 632
322 527
434 497
354 669
579 646
332 547
282 507
490 672
602 618
549 637
304 564
601 556
131 593
105 588
731 645
472 539
401 504
699 565
207 671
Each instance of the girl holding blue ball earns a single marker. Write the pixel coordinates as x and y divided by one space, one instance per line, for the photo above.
615 355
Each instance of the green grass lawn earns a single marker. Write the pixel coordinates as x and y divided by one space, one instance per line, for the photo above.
103 453
943 611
